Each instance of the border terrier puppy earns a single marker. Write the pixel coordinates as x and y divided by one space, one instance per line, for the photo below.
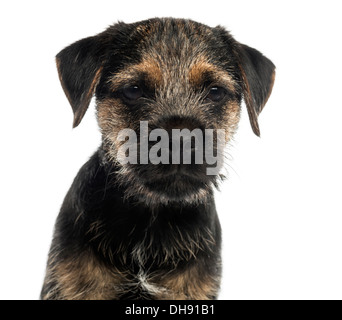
142 230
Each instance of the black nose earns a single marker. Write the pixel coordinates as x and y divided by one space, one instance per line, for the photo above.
179 122
186 137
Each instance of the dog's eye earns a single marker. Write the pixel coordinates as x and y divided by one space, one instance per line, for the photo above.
132 93
216 94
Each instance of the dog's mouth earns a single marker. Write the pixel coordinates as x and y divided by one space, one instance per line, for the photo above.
163 184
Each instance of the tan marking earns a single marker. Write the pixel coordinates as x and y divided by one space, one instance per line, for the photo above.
231 119
202 67
82 278
94 83
113 117
188 285
148 66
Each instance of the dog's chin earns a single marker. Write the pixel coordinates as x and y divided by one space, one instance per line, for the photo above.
154 185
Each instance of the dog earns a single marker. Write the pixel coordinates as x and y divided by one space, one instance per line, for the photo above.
145 230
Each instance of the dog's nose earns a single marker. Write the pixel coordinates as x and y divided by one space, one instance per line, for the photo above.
179 122
184 139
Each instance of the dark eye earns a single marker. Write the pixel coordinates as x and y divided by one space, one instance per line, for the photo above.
216 94
132 93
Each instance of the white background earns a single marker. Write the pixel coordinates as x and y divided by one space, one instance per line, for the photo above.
280 209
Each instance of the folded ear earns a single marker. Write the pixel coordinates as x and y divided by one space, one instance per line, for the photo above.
258 74
79 67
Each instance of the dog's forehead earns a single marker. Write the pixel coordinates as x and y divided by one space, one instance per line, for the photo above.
174 39
174 49
172 30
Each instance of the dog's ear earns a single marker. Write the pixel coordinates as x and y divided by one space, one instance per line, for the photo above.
258 74
79 67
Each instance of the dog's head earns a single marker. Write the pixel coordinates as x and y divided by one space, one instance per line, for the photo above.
166 74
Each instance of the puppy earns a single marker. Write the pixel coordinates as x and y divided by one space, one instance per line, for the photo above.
149 229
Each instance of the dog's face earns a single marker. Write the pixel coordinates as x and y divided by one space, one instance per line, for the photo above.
171 74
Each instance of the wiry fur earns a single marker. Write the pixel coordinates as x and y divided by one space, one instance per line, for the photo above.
137 231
